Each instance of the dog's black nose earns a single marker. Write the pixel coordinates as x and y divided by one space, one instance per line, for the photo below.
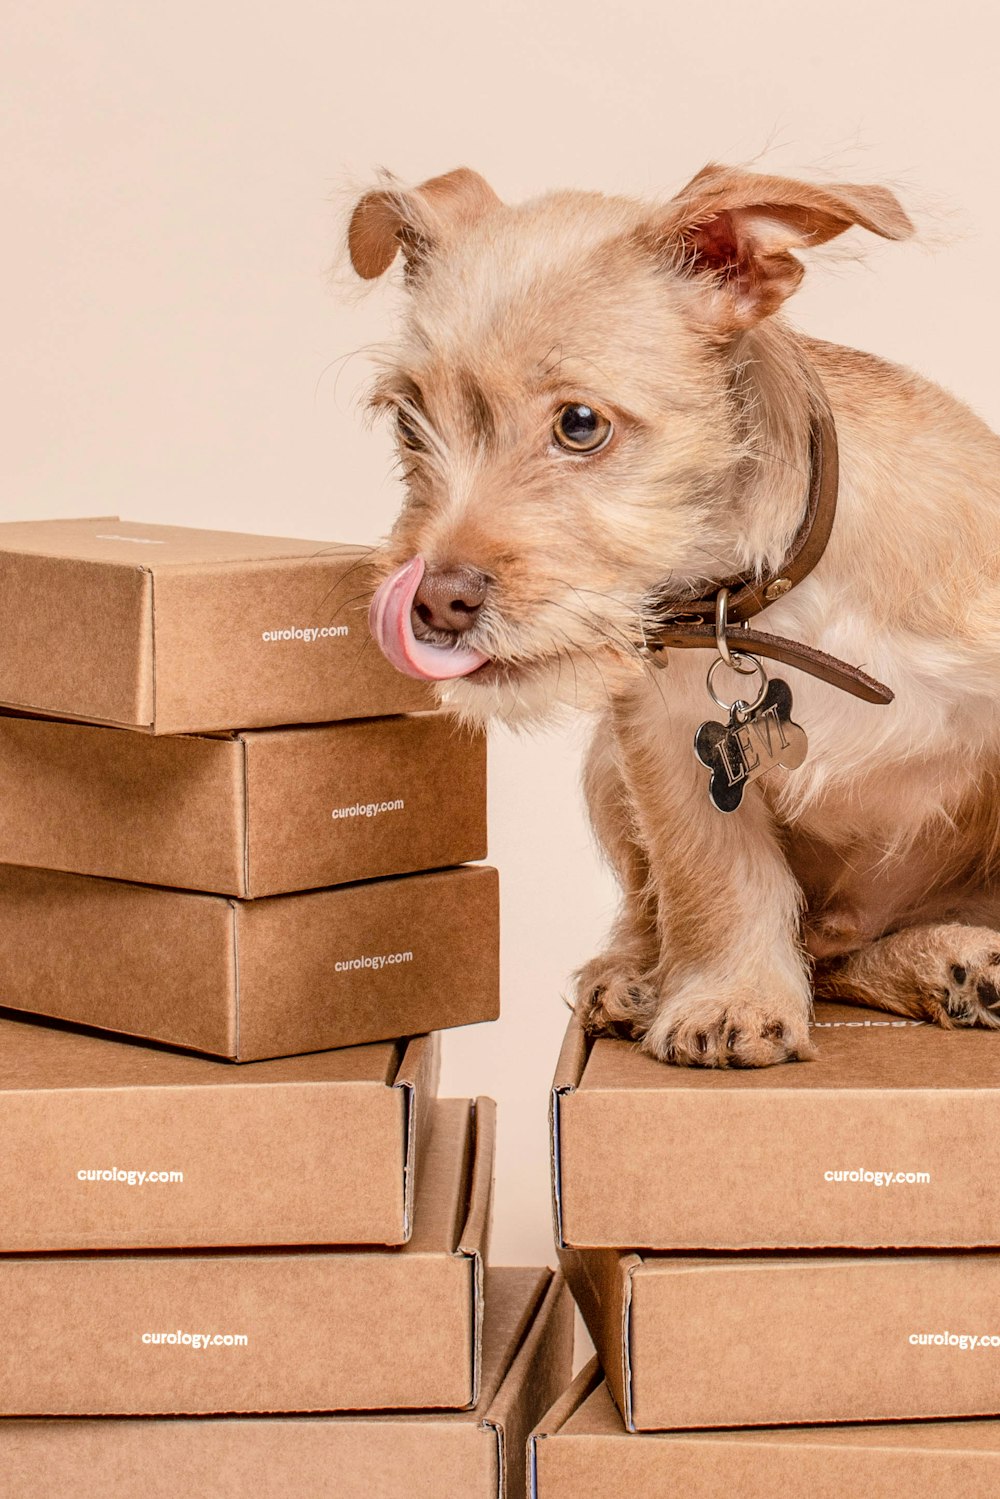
449 598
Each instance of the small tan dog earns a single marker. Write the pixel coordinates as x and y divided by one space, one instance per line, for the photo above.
598 408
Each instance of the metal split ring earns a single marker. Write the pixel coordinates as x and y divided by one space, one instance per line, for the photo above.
721 643
735 661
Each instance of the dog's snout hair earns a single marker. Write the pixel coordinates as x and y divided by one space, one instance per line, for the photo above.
599 405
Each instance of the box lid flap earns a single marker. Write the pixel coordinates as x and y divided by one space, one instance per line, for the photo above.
44 1055
536 1373
593 1414
857 1049
418 1077
448 1181
135 544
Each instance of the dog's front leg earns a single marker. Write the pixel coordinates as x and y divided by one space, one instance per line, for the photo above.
612 990
731 985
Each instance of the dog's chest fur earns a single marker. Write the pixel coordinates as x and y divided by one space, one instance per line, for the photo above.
894 815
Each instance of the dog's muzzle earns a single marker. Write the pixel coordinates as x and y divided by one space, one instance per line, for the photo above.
390 619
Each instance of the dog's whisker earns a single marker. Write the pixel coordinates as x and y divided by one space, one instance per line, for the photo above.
343 360
609 598
622 640
362 561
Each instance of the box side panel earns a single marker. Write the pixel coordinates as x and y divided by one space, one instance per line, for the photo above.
475 1232
417 1082
444 1183
323 1331
77 638
474 1241
600 1282
357 801
569 1400
159 1167
540 1371
368 962
282 642
145 962
814 1340
269 1458
569 1070
125 806
862 1168
646 1467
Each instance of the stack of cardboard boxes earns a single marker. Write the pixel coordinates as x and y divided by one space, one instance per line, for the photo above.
816 1244
213 1277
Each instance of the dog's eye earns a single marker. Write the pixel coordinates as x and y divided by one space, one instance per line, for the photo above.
407 432
581 429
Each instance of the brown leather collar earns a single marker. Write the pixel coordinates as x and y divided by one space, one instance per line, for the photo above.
690 623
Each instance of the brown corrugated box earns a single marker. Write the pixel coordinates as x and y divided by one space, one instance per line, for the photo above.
479 1454
582 1451
734 1340
258 813
253 979
124 1146
324 1329
866 1147
177 630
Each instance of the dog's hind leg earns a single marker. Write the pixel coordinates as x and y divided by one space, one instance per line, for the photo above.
613 993
948 974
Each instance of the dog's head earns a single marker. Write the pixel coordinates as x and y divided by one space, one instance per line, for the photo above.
567 409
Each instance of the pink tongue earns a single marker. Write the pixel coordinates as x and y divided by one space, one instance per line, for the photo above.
390 620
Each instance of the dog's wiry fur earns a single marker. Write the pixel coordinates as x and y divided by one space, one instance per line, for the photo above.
877 860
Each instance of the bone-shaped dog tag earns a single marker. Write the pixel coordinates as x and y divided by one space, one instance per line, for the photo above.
749 745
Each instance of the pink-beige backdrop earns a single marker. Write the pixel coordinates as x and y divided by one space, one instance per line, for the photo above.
173 181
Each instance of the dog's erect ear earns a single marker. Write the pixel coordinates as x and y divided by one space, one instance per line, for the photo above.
735 230
414 219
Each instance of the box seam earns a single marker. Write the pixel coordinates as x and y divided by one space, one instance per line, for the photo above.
62 715
627 1347
533 1441
556 1148
478 1273
501 1457
409 1132
478 1313
237 995
474 1253
245 830
152 642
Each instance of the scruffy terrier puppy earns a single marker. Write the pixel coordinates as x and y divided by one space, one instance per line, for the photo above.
599 407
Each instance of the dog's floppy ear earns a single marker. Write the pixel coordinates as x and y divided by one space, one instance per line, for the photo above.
734 231
415 220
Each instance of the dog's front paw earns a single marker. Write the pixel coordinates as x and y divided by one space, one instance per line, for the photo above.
947 974
613 999
962 978
701 1032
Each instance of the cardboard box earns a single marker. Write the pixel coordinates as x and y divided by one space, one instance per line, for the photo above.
691 1341
866 1147
176 630
582 1451
479 1454
259 813
111 1146
253 979
301 1330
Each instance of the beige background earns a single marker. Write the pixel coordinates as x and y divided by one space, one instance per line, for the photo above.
172 351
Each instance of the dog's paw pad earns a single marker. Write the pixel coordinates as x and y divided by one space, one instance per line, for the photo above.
970 992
